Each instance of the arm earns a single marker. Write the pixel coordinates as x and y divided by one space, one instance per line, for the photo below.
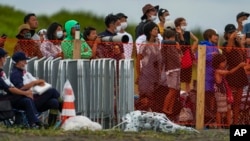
33 83
67 49
231 42
16 91
226 72
95 45
195 42
138 66
86 51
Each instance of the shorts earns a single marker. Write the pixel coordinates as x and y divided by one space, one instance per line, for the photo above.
173 80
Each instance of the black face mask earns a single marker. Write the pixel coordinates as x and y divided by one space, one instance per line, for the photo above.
27 35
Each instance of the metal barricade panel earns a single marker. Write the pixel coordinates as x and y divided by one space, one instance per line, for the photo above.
30 65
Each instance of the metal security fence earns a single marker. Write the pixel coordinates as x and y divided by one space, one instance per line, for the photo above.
103 92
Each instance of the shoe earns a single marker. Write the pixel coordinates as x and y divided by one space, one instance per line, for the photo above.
39 125
35 126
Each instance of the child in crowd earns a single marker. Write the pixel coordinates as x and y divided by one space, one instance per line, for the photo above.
219 64
171 60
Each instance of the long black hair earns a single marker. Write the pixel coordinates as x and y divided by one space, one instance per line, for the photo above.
51 31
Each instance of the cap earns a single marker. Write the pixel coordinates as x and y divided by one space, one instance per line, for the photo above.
121 15
3 52
169 25
241 14
148 7
216 32
19 56
230 28
161 11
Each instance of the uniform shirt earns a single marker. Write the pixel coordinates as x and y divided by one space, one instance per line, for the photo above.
4 87
16 77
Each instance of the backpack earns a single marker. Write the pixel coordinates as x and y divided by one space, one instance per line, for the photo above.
6 110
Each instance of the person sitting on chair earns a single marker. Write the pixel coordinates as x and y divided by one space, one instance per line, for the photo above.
25 81
20 99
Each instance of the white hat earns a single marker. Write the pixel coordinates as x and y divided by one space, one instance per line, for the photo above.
169 24
42 31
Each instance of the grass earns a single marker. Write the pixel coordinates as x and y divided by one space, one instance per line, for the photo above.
9 134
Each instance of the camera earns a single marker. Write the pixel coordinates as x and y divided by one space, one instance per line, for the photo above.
116 38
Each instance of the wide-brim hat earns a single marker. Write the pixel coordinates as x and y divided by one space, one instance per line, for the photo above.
149 7
21 28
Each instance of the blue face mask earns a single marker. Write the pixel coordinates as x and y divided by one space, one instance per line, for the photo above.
27 35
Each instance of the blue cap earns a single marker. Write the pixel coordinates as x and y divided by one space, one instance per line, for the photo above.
2 52
19 56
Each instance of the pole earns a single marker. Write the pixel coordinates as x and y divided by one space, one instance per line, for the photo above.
200 97
77 43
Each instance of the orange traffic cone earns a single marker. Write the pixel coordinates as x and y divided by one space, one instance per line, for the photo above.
68 108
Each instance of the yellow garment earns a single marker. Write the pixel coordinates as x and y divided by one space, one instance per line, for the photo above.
161 28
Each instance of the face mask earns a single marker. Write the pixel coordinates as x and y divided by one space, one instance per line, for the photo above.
25 67
153 18
27 35
59 34
167 18
183 28
244 22
118 28
124 25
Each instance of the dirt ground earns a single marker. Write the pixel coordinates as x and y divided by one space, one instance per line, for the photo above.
204 135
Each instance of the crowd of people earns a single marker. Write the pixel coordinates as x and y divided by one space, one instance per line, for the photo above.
165 54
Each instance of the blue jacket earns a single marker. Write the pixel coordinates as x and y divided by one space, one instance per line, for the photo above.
209 74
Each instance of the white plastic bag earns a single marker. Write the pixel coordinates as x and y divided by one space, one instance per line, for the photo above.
186 114
41 89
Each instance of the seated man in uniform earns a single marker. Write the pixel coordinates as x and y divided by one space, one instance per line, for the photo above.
19 99
43 102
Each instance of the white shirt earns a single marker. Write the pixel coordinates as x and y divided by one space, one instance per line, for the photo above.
142 38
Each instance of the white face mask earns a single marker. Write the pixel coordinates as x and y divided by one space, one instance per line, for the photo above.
167 18
124 25
59 34
244 22
25 67
183 28
118 28
153 18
